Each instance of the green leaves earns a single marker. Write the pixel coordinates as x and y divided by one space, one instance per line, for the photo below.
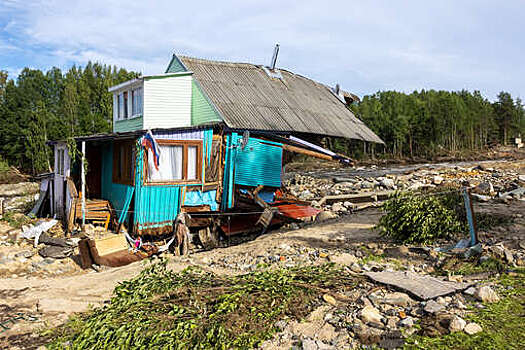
195 309
416 218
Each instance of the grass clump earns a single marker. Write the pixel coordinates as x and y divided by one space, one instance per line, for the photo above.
415 218
472 266
486 221
195 309
502 322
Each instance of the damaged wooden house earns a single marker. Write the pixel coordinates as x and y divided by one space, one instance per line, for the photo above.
205 138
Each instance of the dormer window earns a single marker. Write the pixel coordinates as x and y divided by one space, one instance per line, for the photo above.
123 105
136 101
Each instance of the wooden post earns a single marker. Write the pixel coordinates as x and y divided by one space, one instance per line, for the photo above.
83 179
470 217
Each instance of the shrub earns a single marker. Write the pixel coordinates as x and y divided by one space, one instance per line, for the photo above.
416 218
4 167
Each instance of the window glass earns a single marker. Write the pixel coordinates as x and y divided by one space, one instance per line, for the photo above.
125 94
170 168
136 96
179 161
192 163
120 106
60 162
123 168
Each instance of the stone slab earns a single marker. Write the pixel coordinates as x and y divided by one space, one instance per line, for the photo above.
423 287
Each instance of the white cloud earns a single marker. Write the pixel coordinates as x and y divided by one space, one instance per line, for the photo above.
366 46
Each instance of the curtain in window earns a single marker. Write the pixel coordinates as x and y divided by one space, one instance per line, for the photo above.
170 164
192 162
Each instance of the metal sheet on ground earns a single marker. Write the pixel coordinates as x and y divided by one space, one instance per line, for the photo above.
422 286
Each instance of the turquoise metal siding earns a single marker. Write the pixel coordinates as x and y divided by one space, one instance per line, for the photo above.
259 163
202 111
128 125
158 205
116 194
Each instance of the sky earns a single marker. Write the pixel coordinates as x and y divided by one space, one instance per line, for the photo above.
365 46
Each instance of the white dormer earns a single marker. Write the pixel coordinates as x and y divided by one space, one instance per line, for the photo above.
151 102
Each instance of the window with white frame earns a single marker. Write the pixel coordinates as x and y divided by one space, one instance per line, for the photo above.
136 101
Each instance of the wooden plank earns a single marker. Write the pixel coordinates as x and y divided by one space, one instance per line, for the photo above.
71 216
423 287
357 197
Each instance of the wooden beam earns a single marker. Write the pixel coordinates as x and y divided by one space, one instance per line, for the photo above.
307 152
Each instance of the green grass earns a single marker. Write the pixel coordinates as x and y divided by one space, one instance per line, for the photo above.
458 266
487 221
503 323
194 309
16 220
4 167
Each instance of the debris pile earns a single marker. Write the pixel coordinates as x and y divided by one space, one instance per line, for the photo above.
17 197
486 182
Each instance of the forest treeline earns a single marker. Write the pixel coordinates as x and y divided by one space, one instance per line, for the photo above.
430 123
55 105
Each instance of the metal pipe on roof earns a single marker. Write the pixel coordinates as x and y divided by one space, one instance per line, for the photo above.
274 57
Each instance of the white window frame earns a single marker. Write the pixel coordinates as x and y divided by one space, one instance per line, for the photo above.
133 111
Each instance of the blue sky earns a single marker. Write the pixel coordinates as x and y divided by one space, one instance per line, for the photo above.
365 46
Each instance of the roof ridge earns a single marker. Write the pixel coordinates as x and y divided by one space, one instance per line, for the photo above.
252 65
210 61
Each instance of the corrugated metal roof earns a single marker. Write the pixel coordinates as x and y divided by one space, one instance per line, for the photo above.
248 98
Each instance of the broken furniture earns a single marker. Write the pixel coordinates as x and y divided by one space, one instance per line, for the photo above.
111 251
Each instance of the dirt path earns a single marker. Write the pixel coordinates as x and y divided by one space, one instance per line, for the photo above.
45 302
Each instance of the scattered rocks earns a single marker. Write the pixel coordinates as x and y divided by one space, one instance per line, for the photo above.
457 324
398 299
388 183
437 180
470 291
325 215
407 322
433 307
486 295
343 259
370 315
472 328
329 299
24 254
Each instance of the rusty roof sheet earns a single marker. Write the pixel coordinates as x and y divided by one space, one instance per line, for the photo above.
248 98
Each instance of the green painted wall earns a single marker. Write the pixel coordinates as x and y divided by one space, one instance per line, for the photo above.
202 111
128 125
175 66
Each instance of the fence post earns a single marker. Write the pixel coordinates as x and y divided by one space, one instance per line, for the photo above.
470 217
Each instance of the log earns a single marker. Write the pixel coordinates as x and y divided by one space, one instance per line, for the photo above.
307 152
